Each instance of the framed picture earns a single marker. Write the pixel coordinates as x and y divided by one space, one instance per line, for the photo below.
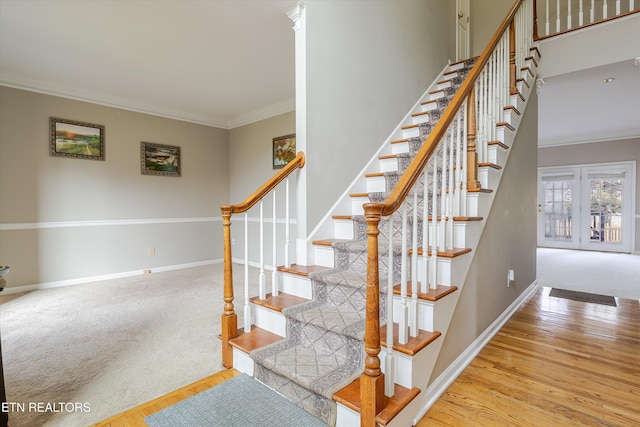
76 139
158 159
284 150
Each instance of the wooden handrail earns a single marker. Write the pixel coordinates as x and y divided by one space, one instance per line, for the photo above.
229 317
405 183
297 162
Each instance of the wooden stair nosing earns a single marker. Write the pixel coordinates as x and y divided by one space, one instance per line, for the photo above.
512 108
413 345
302 270
521 80
490 165
532 59
349 396
374 175
329 242
400 141
480 190
505 124
409 127
256 338
432 295
455 252
388 156
498 143
359 195
279 302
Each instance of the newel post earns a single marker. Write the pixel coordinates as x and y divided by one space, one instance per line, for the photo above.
472 155
513 89
372 379
229 317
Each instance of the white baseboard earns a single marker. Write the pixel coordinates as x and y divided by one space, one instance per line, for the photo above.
446 378
82 280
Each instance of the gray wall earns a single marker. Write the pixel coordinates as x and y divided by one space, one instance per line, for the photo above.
45 202
486 15
598 152
367 65
250 161
508 242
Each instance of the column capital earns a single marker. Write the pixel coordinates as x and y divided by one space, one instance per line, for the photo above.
295 12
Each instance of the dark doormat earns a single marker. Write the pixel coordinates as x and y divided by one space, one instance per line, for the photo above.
583 296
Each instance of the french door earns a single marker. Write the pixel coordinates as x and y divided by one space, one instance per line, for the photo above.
586 207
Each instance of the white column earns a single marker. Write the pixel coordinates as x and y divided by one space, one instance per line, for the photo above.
298 15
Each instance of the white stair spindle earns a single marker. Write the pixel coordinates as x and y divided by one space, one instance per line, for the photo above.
581 15
287 226
274 274
546 22
557 16
389 375
592 12
617 7
434 225
443 196
450 189
605 9
413 304
568 14
424 283
261 277
463 154
247 307
403 327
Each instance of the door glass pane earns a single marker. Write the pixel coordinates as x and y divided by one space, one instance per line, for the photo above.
605 195
557 208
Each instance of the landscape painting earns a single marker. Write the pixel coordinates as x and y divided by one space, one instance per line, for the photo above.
159 159
76 139
284 150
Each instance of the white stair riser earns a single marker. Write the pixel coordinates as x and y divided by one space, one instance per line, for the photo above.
422 118
446 269
478 204
429 106
242 362
343 228
410 370
432 315
293 284
511 117
346 417
400 147
270 320
376 184
497 155
356 205
324 256
488 177
411 132
388 165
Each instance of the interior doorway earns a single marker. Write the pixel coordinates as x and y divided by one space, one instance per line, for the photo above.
463 20
586 206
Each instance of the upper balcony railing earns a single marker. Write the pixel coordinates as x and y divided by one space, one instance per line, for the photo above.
557 17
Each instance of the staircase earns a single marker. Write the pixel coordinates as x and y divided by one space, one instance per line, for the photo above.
400 251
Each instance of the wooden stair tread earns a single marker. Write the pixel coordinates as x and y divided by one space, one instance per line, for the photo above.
439 292
431 101
400 141
498 143
445 254
421 113
302 270
349 396
480 190
249 341
388 156
359 195
409 127
514 109
413 345
505 124
490 165
374 174
329 242
278 303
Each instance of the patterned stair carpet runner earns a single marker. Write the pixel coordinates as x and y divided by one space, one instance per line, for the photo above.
324 348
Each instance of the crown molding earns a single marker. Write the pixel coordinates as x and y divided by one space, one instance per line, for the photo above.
47 88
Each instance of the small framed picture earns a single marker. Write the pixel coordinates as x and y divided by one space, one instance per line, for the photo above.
159 159
284 150
78 140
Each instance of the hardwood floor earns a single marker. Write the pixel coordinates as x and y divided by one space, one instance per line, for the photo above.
556 362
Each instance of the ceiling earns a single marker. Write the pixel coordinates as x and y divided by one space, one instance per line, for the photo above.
222 63
226 63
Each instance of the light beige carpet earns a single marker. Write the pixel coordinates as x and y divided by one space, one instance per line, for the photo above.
110 345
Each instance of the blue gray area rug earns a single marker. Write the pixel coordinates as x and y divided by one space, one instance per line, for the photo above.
240 401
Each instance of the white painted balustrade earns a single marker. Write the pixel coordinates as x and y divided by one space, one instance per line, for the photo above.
566 15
